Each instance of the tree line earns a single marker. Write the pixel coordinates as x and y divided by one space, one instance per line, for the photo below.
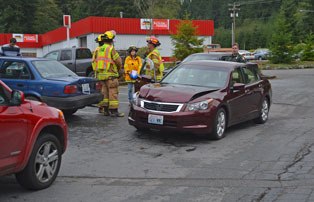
259 23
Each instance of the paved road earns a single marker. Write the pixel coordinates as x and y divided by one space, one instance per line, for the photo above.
108 160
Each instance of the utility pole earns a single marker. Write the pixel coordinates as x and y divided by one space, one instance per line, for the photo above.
234 13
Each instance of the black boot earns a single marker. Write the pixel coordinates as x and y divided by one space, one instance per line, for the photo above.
106 111
115 113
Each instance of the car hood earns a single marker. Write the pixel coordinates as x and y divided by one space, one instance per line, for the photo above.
173 93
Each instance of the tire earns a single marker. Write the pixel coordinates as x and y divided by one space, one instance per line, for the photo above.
260 58
46 155
30 97
263 117
220 125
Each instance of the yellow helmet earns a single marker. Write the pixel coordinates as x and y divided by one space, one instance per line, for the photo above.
109 35
99 38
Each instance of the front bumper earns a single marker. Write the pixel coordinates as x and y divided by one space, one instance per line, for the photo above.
75 102
196 122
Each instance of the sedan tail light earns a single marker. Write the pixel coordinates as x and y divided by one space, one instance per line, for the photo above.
98 86
70 89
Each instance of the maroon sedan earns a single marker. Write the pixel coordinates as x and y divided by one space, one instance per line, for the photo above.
202 97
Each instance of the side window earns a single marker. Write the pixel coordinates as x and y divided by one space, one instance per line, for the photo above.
53 55
83 53
236 76
250 76
66 55
14 70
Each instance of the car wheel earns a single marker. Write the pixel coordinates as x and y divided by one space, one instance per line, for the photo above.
220 124
263 113
260 58
30 97
43 165
69 112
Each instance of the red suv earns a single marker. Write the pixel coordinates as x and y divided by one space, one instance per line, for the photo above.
33 136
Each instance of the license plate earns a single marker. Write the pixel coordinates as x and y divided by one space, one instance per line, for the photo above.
155 119
85 88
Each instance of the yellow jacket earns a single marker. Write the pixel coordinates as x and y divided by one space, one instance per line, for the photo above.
132 64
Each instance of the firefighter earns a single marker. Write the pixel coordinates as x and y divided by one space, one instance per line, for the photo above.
94 62
132 69
108 66
154 55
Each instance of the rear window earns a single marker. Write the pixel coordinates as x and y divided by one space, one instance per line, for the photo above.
83 53
52 69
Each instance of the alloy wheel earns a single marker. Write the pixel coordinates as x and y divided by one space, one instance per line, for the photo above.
221 123
264 110
46 162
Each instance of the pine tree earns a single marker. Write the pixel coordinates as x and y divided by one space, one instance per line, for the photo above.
48 16
185 41
281 42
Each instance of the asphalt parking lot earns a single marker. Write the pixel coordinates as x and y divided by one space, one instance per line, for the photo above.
108 160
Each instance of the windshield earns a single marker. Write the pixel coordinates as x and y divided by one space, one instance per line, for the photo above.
197 76
52 69
201 57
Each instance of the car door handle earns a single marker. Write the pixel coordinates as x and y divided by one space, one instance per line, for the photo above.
70 63
20 85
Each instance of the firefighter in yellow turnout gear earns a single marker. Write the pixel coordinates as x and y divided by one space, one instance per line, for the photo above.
154 55
108 65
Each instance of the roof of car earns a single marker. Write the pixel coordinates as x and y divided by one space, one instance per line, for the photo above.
216 63
23 58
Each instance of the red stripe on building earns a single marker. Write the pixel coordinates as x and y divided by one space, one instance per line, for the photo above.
101 24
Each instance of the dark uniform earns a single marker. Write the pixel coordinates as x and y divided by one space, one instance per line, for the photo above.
237 58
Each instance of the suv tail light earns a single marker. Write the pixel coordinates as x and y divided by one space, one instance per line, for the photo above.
70 89
98 86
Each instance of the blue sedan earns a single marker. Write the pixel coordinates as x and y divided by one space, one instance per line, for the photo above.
51 82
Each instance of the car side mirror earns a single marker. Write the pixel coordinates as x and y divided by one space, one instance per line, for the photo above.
237 87
178 62
17 98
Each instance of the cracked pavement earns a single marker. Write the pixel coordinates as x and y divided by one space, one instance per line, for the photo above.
108 160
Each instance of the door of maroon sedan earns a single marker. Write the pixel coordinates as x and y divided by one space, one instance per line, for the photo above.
254 90
13 132
238 99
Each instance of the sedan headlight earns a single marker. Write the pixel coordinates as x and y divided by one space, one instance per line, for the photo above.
136 99
203 105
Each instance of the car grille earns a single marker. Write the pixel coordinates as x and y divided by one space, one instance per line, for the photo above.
162 107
